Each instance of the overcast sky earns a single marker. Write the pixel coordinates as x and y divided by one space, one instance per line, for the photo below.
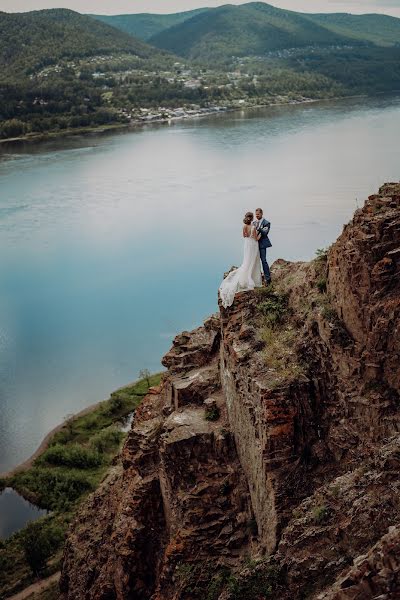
390 7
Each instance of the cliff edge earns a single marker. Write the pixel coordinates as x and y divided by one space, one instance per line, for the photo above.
267 462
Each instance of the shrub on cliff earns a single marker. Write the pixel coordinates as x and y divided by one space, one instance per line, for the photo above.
40 540
106 440
274 307
279 335
257 581
113 406
73 455
51 488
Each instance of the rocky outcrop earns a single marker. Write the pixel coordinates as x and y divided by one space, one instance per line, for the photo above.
364 281
178 499
374 575
266 464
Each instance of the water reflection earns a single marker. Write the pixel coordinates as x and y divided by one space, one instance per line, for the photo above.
15 512
110 245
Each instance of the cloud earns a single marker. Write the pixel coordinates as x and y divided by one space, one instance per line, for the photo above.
162 6
379 4
389 7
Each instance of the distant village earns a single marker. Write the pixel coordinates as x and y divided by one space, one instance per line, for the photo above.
123 70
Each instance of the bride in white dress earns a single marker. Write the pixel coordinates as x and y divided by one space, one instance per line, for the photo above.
248 275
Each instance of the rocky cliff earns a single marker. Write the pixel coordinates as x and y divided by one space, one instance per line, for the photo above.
267 463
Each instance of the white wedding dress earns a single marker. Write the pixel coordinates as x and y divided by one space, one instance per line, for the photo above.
247 276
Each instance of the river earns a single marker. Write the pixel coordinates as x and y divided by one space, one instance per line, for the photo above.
110 245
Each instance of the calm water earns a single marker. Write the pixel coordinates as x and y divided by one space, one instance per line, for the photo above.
109 246
18 510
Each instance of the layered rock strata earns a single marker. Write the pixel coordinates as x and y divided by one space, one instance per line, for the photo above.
267 462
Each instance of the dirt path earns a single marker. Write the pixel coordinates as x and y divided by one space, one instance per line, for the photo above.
39 586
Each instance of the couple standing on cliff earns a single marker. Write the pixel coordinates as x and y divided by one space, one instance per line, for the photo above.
248 275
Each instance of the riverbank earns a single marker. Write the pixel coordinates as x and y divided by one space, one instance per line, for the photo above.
44 444
69 464
34 138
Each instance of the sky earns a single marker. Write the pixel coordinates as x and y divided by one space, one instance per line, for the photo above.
390 7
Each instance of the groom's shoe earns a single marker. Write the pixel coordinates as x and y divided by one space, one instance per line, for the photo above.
267 282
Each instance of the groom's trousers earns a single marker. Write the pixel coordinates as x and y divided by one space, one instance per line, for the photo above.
263 256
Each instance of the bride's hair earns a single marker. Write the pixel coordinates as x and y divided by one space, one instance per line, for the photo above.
248 218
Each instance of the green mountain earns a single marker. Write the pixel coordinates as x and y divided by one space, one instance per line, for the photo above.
381 30
146 25
257 28
29 41
248 29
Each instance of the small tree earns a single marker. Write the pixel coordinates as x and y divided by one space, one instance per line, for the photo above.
12 128
40 540
145 374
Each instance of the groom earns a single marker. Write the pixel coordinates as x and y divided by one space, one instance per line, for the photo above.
263 226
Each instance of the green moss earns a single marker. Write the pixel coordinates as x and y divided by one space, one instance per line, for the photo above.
273 307
212 413
321 514
260 583
321 284
202 580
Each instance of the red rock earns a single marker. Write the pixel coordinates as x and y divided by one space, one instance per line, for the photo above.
302 465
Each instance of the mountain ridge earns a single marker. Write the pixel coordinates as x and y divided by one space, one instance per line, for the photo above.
34 39
258 27
145 25
239 30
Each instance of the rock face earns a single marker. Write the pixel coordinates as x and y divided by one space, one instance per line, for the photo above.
267 462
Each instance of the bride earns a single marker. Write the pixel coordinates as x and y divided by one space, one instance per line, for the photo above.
248 275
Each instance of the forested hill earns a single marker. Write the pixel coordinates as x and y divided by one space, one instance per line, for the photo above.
248 29
146 25
32 40
255 28
381 30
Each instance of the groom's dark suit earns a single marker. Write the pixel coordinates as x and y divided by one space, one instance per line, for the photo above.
263 228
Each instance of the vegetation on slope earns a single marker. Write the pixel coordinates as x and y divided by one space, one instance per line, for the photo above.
249 29
30 41
361 70
75 462
146 25
381 30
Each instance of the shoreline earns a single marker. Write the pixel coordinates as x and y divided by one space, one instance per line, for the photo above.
82 429
37 138
26 464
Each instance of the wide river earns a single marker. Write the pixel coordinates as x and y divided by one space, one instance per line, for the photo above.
110 245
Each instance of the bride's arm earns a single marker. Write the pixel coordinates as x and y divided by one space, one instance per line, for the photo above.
254 233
